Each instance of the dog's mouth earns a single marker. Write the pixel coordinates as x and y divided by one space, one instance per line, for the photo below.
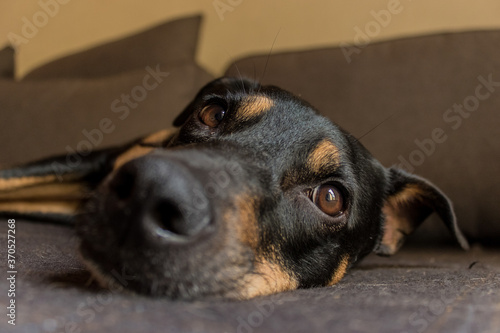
153 227
162 275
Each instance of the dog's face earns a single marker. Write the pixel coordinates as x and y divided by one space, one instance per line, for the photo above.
254 193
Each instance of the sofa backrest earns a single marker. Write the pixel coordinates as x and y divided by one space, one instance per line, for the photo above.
430 104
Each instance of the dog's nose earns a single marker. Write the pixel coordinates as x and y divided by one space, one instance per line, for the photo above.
160 200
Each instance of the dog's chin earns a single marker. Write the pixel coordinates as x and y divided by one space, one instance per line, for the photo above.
168 274
118 278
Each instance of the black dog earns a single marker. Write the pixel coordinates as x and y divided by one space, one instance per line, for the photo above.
254 193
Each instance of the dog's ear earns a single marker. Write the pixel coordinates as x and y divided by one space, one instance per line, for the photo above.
217 86
410 200
53 188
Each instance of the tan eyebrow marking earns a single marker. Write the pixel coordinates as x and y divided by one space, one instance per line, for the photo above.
253 106
325 155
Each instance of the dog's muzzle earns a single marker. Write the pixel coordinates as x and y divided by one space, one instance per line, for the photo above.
175 221
160 201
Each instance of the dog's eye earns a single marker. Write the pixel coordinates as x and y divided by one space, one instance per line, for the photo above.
329 199
212 115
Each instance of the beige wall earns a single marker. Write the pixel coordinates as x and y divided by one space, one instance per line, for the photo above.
239 27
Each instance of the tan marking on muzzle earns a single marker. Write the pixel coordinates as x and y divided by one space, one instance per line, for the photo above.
253 106
246 223
324 156
340 271
269 278
159 137
131 154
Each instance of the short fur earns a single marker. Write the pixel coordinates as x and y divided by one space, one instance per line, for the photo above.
226 210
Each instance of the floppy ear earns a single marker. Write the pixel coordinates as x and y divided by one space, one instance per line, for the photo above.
218 86
410 200
53 189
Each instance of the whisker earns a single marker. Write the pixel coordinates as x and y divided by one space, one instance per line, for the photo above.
269 55
358 139
254 72
375 127
241 79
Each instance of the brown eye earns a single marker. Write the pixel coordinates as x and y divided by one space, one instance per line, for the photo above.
212 115
329 199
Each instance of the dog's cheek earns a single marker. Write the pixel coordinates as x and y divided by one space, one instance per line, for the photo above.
268 278
340 270
244 223
90 227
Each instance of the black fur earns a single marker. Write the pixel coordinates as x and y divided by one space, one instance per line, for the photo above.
264 161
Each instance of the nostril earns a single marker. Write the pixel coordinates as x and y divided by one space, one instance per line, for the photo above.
123 184
154 196
170 220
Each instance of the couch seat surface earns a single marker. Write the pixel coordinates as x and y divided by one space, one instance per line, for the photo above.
419 289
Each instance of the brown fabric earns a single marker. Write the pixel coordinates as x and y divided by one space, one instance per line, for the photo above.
431 290
103 96
413 81
172 43
41 119
7 62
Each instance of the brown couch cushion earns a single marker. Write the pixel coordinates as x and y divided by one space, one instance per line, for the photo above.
43 118
7 62
415 82
69 98
418 289
172 43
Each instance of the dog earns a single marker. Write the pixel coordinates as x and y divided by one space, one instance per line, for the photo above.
253 192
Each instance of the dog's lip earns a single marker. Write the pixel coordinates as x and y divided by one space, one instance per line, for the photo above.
89 255
109 273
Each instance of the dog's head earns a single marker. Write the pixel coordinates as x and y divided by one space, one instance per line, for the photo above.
254 193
